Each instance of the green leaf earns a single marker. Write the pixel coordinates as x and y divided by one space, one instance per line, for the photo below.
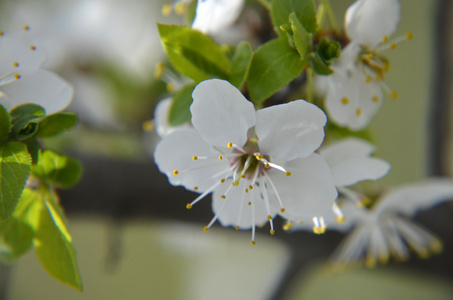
241 63
33 147
22 116
56 124
180 106
52 241
305 11
328 50
319 65
266 3
273 66
5 124
194 54
57 169
301 38
334 132
14 170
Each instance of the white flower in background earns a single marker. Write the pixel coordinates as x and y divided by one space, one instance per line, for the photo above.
355 89
256 163
23 81
384 230
161 123
178 6
212 16
350 162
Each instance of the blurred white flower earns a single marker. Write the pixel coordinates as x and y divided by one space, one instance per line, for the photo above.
256 163
384 230
213 16
355 89
23 81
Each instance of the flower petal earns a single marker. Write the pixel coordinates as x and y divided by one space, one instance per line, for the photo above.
367 22
221 114
161 112
212 16
309 191
291 130
40 87
175 152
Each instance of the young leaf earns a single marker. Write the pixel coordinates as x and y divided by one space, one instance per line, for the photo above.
57 169
14 171
305 11
180 106
56 124
328 50
319 65
301 38
194 54
52 242
241 62
273 66
5 124
22 116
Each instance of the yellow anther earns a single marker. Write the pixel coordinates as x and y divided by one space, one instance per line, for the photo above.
16 64
259 156
230 145
250 203
223 197
299 222
340 219
409 36
253 243
272 232
345 101
222 180
32 47
1 33
319 230
220 157
180 8
206 229
394 95
26 27
237 227
368 79
282 210
364 202
236 183
188 206
267 165
383 258
148 126
195 188
194 157
17 76
437 246
246 190
159 70
250 187
392 45
288 173
166 10
288 225
170 87
175 172
376 99
358 112
385 40
370 262
269 218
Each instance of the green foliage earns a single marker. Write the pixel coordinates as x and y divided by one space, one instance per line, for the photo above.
5 124
326 52
273 66
301 38
241 62
305 11
194 54
334 132
21 120
180 106
56 124
15 165
55 169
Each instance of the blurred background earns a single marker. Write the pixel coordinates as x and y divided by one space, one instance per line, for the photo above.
133 235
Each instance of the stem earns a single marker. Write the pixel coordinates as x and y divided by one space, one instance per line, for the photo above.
310 85
330 15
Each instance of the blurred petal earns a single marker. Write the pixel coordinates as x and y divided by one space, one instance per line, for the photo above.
161 112
212 16
221 114
355 170
291 130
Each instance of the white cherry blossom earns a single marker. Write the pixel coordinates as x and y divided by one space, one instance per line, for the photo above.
355 89
384 230
213 16
256 163
23 81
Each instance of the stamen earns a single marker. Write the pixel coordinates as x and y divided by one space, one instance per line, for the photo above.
148 126
344 101
26 27
288 225
230 145
180 9
204 194
320 227
175 172
275 192
16 64
263 189
339 214
195 188
32 47
159 70
166 10
206 228
194 157
358 112
17 76
375 99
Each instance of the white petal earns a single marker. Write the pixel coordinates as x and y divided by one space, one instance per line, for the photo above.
235 210
353 102
355 170
161 113
175 152
369 21
411 198
220 113
345 149
212 16
40 87
291 130
309 191
17 48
